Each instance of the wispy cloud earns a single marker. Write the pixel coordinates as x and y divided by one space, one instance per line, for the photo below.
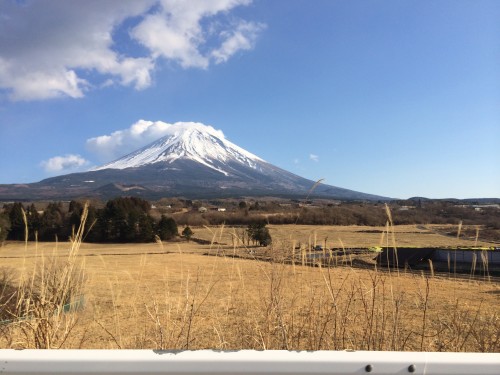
66 163
314 157
48 48
241 38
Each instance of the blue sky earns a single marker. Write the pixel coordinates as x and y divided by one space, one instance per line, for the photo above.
396 98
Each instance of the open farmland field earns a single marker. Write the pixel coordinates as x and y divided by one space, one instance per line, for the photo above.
172 296
349 236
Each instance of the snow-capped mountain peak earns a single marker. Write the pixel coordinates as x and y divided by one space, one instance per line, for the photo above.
190 160
189 141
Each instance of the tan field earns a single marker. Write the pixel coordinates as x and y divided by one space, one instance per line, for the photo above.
350 236
171 296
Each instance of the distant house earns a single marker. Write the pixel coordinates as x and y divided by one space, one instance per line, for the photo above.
221 209
405 208
480 207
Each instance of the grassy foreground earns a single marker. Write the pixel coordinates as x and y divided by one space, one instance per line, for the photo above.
171 296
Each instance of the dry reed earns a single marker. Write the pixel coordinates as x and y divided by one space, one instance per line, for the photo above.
174 300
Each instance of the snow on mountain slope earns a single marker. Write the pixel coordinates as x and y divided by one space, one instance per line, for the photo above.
196 142
193 160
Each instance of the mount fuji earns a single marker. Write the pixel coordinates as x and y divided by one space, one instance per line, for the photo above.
192 160
193 142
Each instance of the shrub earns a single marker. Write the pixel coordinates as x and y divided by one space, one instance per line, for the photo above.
187 233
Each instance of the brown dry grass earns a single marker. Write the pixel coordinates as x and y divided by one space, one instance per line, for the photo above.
349 236
170 296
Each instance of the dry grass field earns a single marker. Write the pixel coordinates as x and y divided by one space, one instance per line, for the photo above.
174 296
347 236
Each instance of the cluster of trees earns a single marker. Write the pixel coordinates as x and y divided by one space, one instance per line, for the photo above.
120 220
259 234
128 220
131 219
19 221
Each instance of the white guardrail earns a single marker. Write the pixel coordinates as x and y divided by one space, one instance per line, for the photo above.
244 362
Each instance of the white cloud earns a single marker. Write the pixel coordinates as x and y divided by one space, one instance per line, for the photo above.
121 142
54 48
176 33
314 157
242 38
64 163
47 47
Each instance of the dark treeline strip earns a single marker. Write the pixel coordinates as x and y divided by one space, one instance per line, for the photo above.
133 219
120 220
368 214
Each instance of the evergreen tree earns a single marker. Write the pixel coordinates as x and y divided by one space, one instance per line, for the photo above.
52 223
115 224
146 231
17 226
187 233
4 227
34 221
75 206
167 228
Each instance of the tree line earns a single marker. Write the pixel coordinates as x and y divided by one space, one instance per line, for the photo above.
125 219
131 219
348 213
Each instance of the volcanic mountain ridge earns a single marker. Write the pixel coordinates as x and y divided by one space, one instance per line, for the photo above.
194 160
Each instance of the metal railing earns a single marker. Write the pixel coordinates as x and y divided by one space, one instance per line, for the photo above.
244 362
